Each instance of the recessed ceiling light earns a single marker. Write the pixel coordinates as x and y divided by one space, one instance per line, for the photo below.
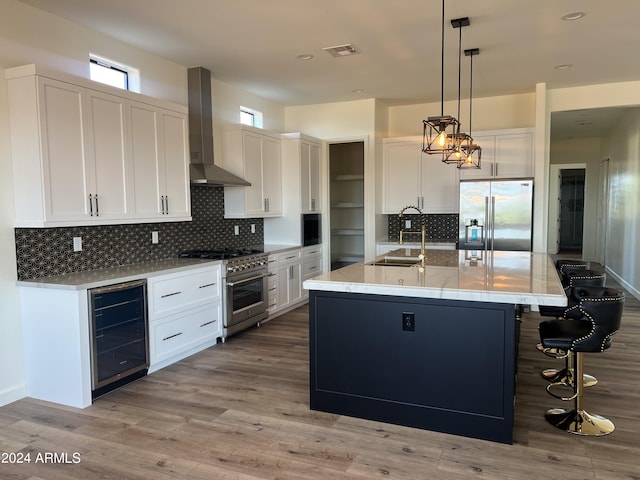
573 16
358 90
563 67
304 56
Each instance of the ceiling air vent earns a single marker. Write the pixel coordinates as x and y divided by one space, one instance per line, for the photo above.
342 50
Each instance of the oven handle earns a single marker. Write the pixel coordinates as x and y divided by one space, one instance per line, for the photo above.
246 280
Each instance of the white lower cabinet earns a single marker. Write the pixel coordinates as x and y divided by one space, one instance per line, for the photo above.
178 336
185 314
311 265
287 271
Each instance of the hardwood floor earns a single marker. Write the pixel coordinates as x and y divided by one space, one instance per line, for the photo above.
240 411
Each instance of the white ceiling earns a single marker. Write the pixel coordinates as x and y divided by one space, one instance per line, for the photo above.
253 44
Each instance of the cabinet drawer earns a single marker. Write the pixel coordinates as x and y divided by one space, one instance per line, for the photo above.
173 293
177 334
286 257
311 268
315 250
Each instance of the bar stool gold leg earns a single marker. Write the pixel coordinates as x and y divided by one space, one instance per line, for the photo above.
578 421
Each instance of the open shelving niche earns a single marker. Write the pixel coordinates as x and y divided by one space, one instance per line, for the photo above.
347 211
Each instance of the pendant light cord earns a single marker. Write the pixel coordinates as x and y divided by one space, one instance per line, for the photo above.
470 92
459 76
442 65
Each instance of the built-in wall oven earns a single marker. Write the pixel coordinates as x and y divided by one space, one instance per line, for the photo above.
119 346
244 294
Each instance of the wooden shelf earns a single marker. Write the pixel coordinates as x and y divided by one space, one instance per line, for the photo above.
348 231
348 205
349 177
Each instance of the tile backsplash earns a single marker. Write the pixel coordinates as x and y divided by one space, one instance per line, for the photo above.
43 252
440 227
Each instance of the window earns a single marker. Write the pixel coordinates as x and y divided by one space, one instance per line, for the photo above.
248 116
112 73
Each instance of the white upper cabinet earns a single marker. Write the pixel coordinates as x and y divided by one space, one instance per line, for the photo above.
252 154
78 157
159 156
505 154
107 173
301 154
310 176
411 177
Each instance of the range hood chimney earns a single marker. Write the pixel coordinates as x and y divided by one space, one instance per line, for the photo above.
202 169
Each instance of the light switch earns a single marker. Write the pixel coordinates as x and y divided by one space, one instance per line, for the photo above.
253 228
154 237
236 230
77 244
407 224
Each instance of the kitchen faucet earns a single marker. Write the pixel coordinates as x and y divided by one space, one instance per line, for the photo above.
422 232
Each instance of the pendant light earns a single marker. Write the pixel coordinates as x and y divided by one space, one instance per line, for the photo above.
436 131
472 151
458 140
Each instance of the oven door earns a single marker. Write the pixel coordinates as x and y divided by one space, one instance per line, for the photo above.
246 297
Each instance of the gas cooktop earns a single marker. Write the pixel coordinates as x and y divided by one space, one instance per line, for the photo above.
219 253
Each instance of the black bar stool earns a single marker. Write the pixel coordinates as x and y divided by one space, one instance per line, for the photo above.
595 319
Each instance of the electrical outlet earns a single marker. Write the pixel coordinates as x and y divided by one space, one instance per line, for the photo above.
253 228
236 230
154 237
77 244
408 321
407 224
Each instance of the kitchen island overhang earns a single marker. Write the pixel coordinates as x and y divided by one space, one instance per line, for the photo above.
425 347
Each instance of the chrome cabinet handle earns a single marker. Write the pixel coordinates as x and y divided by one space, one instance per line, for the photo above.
166 203
172 336
97 205
246 280
170 294
207 285
90 205
207 323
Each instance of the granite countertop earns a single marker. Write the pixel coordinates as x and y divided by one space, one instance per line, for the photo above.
124 273
501 277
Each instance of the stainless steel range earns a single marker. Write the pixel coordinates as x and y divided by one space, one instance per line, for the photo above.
244 293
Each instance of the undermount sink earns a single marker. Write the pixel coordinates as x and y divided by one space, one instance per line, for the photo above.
396 262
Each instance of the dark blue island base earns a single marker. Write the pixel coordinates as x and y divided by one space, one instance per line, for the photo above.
453 373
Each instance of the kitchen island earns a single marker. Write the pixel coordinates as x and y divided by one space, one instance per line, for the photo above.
431 346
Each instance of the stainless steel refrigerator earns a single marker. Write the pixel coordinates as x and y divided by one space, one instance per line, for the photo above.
496 215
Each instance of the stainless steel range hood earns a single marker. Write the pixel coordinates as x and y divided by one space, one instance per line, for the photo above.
202 169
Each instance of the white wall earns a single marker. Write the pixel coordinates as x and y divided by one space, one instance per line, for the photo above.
28 36
583 151
490 113
622 148
337 122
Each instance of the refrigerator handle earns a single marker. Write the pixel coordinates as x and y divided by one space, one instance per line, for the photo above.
493 220
487 225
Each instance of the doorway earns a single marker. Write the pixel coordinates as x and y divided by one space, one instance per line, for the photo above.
571 215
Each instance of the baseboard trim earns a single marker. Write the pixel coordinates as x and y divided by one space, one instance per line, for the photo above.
12 394
633 291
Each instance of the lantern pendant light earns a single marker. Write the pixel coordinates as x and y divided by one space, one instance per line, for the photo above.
472 151
437 131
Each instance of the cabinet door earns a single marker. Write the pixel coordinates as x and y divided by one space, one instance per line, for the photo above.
106 141
401 175
310 177
145 162
252 157
66 165
487 143
440 186
272 176
514 155
174 174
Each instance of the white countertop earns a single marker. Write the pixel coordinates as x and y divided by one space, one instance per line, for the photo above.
501 277
108 276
